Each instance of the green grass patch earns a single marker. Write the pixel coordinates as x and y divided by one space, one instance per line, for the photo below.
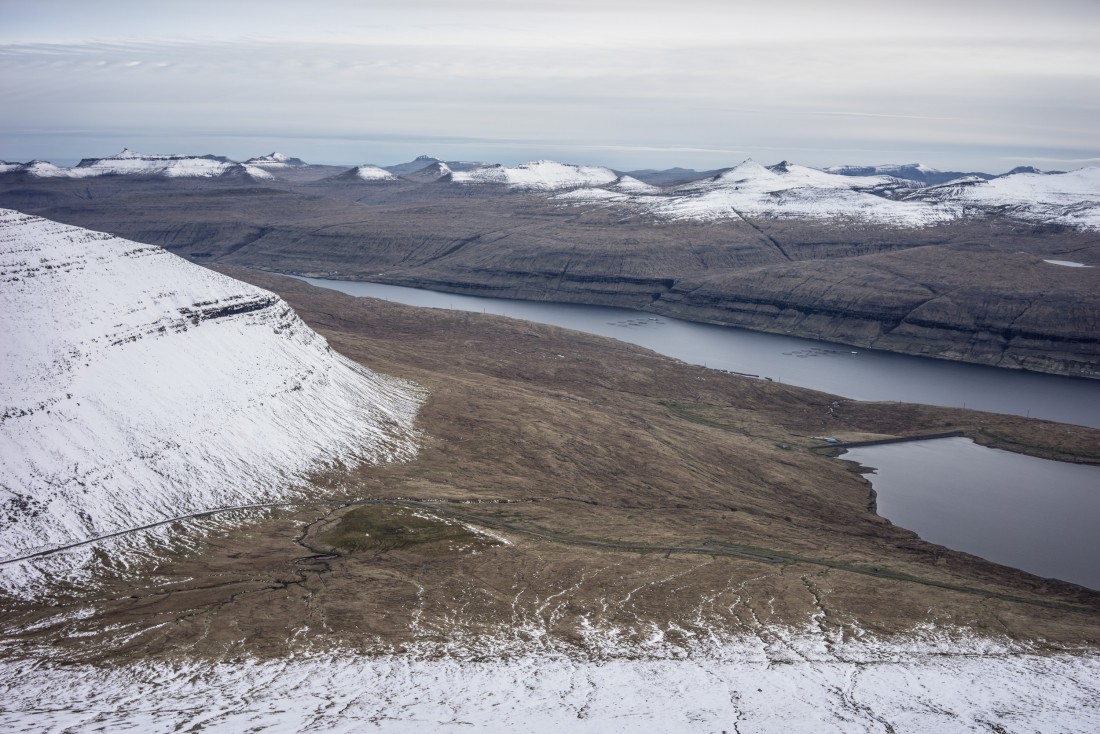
383 528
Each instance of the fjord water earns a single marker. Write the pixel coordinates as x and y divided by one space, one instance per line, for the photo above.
1020 511
862 374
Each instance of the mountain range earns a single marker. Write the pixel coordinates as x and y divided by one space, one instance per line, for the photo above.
970 269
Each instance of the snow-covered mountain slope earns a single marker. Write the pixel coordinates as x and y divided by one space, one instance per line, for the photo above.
371 173
137 386
911 171
538 175
129 163
275 160
38 169
790 191
619 192
630 185
1071 199
430 172
423 162
782 191
888 168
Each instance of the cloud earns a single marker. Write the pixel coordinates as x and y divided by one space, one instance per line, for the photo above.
699 78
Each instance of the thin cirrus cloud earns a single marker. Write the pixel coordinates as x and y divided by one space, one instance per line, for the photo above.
640 83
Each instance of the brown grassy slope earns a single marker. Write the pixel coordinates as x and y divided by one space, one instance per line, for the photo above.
555 440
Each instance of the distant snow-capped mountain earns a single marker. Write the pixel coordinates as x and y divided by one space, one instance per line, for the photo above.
432 172
275 160
138 387
418 163
791 191
423 162
365 172
1071 199
538 175
129 163
785 190
912 171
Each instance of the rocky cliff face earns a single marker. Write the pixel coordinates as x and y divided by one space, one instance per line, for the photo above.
1004 309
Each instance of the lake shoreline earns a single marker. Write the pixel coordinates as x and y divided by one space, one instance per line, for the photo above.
866 375
693 314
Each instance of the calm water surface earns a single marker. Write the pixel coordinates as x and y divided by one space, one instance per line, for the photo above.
862 374
1037 515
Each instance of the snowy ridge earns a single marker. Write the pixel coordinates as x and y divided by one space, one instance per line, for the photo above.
630 185
886 168
1071 199
372 173
869 686
275 160
790 191
430 172
782 191
538 175
138 386
129 163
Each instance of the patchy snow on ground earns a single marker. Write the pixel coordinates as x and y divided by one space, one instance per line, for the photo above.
138 387
867 687
1068 263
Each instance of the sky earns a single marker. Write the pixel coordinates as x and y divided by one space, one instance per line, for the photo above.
960 85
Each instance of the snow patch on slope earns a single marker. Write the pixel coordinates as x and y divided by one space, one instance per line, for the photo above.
630 185
538 175
275 160
373 173
138 386
876 687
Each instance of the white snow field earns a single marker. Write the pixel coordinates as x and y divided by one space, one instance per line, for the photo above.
138 387
865 687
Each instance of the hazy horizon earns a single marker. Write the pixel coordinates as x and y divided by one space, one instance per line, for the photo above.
977 86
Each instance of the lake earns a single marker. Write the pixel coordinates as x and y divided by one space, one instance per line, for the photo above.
861 374
1019 511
